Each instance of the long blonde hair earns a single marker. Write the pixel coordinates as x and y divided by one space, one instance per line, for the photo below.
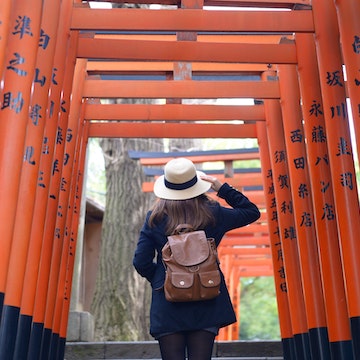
196 212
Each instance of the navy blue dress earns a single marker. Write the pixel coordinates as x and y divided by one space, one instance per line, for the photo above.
168 317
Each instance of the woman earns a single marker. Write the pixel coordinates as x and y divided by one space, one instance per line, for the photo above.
188 327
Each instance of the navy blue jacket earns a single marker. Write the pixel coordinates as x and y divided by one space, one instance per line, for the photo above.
166 316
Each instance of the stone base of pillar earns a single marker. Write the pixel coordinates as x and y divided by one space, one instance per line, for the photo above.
80 326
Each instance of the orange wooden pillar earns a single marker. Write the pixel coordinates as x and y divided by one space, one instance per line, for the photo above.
36 277
303 210
348 17
66 199
276 246
55 225
73 233
340 154
322 194
225 263
235 328
287 228
28 180
5 8
232 333
22 44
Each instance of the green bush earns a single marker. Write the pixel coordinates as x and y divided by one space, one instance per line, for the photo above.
258 310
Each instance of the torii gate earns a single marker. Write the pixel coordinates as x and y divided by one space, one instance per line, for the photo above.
54 59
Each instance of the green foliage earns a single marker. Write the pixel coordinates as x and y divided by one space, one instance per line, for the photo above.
258 309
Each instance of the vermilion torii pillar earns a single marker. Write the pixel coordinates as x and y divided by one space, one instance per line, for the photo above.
349 25
36 284
303 210
58 195
42 148
287 231
29 177
286 331
22 46
60 257
323 200
5 7
73 226
340 155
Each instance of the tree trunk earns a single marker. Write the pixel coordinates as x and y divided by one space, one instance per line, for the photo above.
121 301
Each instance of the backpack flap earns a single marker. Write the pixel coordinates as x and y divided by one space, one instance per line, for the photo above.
189 249
179 286
210 278
182 280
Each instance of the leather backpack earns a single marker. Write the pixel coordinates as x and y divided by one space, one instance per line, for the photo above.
192 266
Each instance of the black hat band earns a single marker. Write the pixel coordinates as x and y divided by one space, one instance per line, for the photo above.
182 186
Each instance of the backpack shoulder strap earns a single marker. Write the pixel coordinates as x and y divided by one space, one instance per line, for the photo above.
183 228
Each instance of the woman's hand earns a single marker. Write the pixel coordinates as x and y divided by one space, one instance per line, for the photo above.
215 183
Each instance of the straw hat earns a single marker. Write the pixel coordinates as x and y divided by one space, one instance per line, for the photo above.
180 181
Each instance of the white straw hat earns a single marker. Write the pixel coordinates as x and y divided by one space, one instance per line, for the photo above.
180 181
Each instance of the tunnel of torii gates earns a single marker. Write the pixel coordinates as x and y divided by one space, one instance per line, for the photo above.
299 61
